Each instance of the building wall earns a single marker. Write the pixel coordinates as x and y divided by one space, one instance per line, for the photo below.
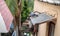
49 9
42 29
57 28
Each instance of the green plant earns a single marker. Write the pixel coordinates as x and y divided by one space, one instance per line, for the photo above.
27 7
12 5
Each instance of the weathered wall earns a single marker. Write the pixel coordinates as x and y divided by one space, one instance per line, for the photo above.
57 28
47 8
42 29
50 10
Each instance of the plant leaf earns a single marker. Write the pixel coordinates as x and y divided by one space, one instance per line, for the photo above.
13 6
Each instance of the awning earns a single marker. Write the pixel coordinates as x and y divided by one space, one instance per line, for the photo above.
41 18
5 17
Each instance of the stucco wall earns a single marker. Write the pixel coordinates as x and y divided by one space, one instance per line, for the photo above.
50 10
42 29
